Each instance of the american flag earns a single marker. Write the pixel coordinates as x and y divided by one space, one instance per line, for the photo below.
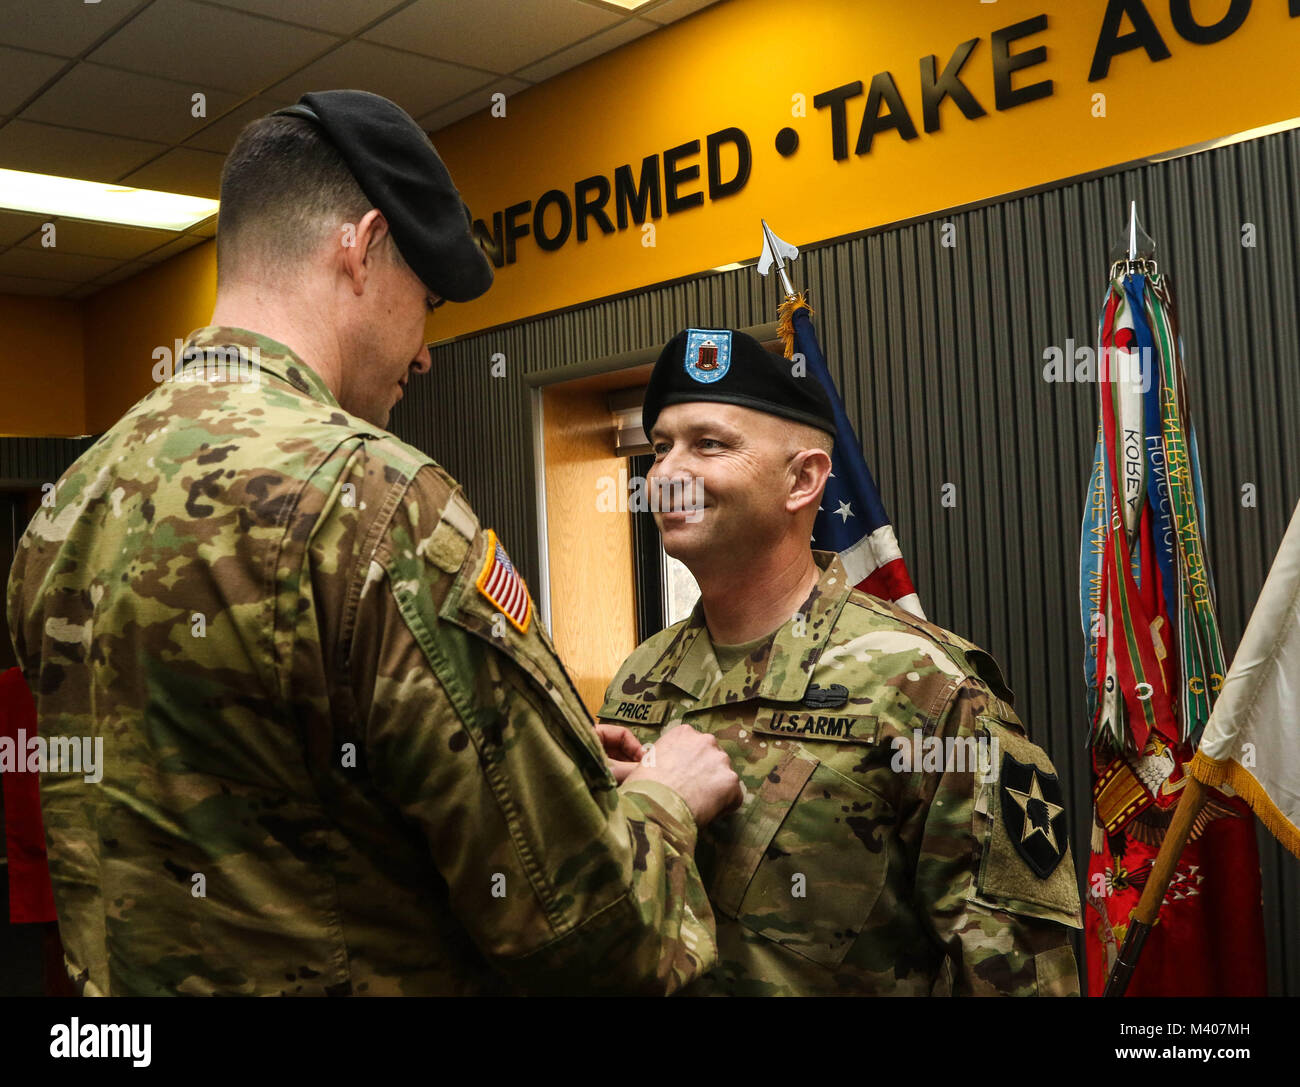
500 582
851 519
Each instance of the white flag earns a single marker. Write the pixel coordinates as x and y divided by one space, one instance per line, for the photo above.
1252 740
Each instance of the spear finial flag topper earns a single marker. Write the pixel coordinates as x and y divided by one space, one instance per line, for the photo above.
1136 250
851 520
776 252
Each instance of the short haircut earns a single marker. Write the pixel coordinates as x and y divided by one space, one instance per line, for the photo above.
802 436
284 189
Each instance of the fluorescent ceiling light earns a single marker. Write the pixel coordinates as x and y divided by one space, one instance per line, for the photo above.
100 202
628 5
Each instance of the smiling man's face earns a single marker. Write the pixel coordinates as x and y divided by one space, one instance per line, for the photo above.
737 461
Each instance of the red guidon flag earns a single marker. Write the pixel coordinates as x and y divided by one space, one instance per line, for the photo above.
1154 666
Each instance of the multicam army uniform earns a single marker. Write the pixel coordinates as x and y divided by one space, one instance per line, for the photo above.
843 872
334 764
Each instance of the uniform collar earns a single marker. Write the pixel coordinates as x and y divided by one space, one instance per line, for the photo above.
273 358
689 664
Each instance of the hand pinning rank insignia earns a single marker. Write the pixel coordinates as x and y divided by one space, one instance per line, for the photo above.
501 584
1033 814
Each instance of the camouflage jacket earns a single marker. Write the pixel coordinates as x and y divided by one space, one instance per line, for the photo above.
340 754
871 855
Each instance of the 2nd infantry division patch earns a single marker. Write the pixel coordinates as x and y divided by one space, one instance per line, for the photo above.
1034 815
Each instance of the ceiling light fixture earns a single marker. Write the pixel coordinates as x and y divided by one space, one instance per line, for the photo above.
44 194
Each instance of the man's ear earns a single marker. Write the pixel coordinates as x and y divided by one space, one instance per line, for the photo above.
361 247
809 469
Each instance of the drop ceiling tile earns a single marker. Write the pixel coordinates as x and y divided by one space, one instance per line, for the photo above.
84 291
471 103
125 104
604 42
239 52
101 239
53 264
16 225
417 84
501 35
182 170
673 10
21 285
177 245
125 271
65 29
206 229
68 152
336 16
220 135
21 75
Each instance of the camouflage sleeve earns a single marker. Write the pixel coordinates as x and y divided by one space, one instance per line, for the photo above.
473 730
994 874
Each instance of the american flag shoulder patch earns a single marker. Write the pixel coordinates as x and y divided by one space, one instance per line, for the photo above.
501 585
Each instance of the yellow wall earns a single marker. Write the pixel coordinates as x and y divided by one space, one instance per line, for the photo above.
126 322
69 368
42 383
742 62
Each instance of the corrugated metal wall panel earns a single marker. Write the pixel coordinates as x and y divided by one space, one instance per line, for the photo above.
938 352
29 462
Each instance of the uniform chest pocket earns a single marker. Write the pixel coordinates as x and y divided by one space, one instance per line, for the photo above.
809 862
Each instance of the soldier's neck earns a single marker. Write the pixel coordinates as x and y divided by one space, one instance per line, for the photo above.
744 601
263 310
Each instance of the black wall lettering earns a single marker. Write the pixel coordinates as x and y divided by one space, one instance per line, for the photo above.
1111 43
675 176
1005 64
947 85
1180 11
717 187
835 98
883 89
551 242
590 195
631 197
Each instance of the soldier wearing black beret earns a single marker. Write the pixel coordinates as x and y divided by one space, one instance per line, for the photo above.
726 366
345 757
854 865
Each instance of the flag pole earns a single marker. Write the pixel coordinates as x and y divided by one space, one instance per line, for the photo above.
1147 911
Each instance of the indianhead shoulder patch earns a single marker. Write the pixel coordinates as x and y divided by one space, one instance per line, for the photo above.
501 584
1033 811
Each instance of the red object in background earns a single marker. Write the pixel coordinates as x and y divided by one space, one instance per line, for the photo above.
31 897
1209 939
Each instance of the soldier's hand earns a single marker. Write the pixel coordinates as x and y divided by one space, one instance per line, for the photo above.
692 764
622 749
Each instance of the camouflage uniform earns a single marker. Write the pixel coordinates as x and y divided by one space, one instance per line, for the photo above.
844 872
332 764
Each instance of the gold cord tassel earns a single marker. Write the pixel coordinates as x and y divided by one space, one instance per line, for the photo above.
785 320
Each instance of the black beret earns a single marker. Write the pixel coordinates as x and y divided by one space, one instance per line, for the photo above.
729 367
397 167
